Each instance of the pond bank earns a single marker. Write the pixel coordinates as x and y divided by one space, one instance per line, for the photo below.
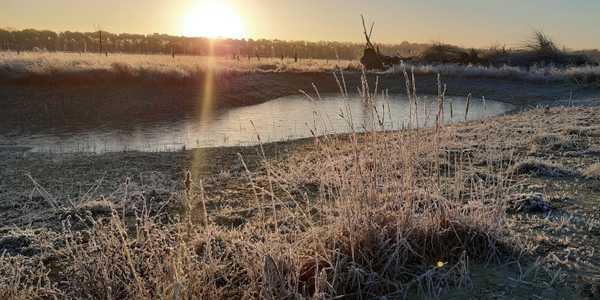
30 107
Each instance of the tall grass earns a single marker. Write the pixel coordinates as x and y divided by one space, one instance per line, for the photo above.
543 45
363 215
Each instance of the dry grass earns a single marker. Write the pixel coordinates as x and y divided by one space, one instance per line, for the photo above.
593 171
543 47
540 53
543 143
359 216
21 279
366 215
580 74
149 67
191 68
364 233
583 131
541 169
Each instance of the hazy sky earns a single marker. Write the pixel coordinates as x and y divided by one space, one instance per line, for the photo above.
574 23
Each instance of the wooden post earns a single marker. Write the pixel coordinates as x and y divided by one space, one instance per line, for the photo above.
100 32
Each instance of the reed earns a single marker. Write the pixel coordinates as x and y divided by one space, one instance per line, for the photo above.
467 106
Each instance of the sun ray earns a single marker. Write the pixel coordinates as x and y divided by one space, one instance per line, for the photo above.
205 110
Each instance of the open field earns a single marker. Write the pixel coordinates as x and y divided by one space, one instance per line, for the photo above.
507 208
56 66
90 66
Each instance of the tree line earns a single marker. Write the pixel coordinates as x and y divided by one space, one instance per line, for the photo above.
106 42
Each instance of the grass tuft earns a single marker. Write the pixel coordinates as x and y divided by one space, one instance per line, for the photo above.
552 142
593 171
541 169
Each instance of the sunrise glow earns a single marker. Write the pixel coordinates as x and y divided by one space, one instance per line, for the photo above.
213 20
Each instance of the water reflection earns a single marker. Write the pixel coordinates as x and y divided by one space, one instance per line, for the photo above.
282 119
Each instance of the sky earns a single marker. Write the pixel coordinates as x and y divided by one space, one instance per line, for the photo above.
469 23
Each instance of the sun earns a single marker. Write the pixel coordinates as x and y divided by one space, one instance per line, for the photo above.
213 20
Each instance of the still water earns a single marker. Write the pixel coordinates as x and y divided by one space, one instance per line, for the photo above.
282 119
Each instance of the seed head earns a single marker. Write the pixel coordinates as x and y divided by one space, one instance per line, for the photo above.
188 182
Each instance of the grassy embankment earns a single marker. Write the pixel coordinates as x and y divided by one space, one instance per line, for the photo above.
47 89
38 88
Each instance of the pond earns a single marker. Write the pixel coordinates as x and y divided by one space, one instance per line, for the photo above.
282 119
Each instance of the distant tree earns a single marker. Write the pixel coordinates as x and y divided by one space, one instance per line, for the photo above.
5 39
103 42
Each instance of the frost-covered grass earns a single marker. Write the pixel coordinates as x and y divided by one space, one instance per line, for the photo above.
593 171
403 215
16 66
581 74
379 218
164 67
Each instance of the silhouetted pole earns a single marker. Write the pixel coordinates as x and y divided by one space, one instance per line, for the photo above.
100 45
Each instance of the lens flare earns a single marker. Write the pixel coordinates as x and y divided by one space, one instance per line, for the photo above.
205 109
